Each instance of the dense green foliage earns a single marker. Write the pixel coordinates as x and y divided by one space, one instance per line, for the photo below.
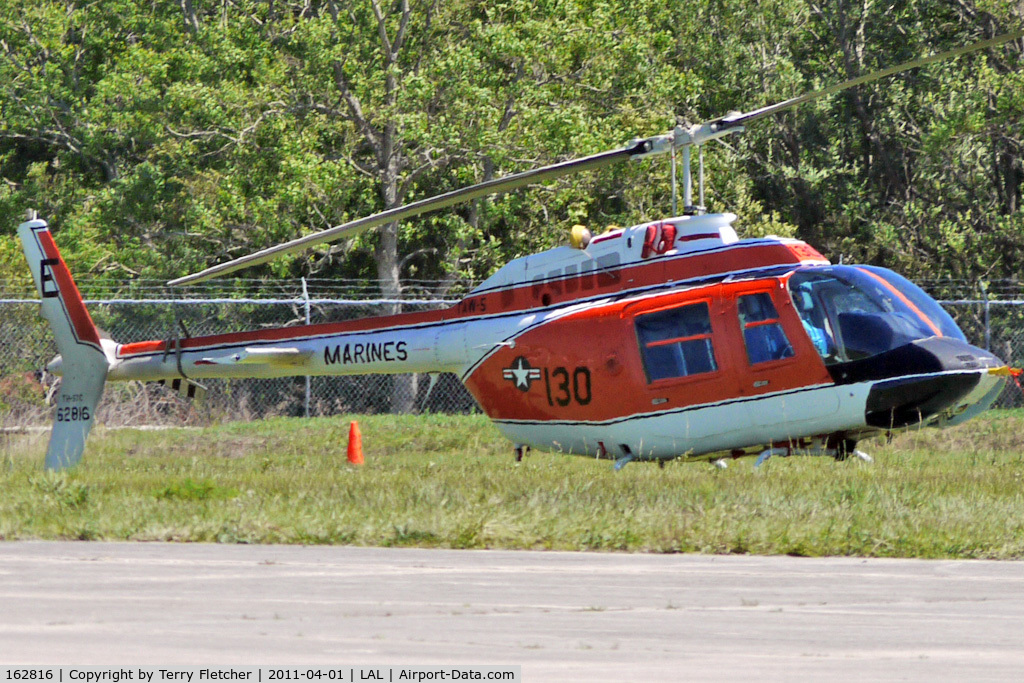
451 481
159 137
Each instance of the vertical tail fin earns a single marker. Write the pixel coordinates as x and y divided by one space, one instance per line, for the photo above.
82 363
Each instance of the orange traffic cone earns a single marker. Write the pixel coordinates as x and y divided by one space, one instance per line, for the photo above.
355 444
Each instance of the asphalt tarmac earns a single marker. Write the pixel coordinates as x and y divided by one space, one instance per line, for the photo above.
561 616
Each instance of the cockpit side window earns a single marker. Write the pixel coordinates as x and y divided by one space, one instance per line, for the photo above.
815 321
854 312
676 342
925 305
762 333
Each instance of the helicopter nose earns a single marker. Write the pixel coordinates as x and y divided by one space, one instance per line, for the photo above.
935 376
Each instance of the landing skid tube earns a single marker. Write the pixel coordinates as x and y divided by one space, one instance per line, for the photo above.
835 453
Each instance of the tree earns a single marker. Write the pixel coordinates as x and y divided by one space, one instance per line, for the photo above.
164 137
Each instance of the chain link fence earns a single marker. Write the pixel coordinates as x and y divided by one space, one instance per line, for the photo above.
991 315
146 311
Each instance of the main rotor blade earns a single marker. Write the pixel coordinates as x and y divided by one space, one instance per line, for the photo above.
465 194
741 119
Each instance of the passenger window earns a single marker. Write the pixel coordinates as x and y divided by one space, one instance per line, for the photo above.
762 332
676 342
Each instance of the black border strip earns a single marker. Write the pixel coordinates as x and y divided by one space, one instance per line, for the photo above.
746 399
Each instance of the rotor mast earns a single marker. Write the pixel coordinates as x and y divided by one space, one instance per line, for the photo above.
684 138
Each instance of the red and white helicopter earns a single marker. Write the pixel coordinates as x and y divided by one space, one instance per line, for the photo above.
669 339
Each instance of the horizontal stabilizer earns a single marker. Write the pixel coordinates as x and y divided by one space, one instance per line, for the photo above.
186 388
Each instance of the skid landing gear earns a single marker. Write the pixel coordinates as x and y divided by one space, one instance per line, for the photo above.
843 450
771 452
848 447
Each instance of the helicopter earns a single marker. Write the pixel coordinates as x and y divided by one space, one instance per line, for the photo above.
669 339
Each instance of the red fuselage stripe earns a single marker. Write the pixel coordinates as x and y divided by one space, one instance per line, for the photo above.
81 321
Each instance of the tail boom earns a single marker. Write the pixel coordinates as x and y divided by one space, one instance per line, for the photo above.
448 340
394 345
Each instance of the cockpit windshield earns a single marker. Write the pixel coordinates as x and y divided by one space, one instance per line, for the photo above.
853 312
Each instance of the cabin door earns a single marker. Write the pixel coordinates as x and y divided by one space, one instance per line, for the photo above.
777 363
689 376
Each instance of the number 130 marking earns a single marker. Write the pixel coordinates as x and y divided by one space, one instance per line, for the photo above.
557 383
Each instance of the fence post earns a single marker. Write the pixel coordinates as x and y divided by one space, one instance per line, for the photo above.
305 295
988 328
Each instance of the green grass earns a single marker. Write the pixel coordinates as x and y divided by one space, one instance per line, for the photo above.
444 481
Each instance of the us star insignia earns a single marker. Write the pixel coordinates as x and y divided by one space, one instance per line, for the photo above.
521 373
